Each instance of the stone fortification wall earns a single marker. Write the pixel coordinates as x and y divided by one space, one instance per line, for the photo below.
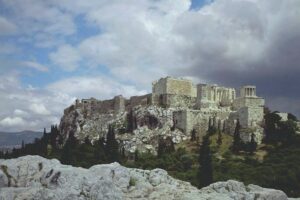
144 100
116 105
248 102
104 106
119 104
251 116
174 86
174 100
159 86
187 120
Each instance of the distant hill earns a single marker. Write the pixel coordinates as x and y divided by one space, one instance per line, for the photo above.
14 139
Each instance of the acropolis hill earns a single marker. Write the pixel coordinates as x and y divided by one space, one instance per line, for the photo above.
175 108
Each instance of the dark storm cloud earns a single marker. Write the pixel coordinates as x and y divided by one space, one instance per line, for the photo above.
246 42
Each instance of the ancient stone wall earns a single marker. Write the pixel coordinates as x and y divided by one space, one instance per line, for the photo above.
119 104
174 100
180 87
171 85
251 116
159 86
106 106
187 120
144 100
248 102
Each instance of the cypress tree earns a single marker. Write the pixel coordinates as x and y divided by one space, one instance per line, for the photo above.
193 135
161 147
253 144
205 173
68 155
219 140
99 153
236 138
136 155
112 145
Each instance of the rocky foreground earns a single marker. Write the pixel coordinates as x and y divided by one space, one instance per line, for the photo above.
34 177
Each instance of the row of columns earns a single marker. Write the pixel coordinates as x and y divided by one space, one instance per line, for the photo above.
249 91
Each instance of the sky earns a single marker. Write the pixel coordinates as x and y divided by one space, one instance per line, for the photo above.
54 51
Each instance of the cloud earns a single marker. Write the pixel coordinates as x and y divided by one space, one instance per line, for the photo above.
28 108
39 109
7 48
20 113
35 65
94 86
12 121
7 27
39 22
66 57
32 108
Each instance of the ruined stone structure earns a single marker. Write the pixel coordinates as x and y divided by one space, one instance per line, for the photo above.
172 92
185 107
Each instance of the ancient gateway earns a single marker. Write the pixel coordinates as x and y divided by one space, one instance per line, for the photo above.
190 107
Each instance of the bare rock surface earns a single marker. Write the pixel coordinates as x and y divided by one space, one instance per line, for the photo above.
34 177
148 124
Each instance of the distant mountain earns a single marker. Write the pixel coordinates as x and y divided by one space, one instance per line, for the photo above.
14 139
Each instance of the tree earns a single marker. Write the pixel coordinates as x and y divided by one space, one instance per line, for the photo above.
287 131
186 161
253 144
99 153
85 154
54 136
236 138
193 135
131 121
211 126
165 146
220 138
68 155
112 145
292 117
205 172
271 126
136 155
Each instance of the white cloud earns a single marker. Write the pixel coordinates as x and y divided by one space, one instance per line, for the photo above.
20 113
35 65
66 57
36 107
96 86
12 121
39 109
7 27
39 22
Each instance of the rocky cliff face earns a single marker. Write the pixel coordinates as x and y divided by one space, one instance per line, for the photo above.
138 128
33 177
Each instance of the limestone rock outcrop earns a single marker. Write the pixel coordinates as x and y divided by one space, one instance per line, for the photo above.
34 177
137 129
